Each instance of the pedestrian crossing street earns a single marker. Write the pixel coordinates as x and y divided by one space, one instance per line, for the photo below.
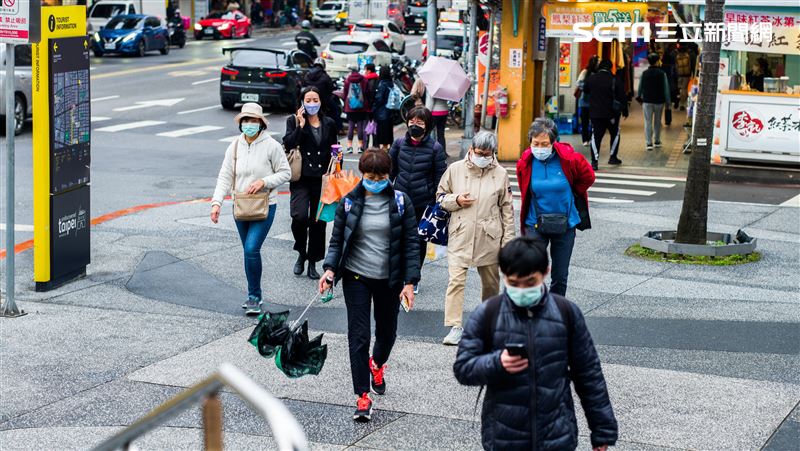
615 188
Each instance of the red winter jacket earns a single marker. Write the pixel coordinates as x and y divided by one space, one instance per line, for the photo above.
577 170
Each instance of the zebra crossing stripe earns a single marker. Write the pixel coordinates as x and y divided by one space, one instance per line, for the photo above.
129 126
631 192
189 131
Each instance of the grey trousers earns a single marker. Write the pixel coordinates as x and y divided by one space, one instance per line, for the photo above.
652 121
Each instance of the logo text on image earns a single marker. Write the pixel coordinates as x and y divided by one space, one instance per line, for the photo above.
668 32
748 124
72 222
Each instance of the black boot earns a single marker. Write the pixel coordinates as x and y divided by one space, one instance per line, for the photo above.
299 265
312 271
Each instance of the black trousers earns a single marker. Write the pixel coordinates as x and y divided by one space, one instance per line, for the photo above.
423 245
586 131
440 122
361 293
599 127
309 234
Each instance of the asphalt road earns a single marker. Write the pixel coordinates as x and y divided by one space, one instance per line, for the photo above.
159 134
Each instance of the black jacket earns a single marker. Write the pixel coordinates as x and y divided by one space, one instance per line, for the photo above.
318 78
600 88
534 409
315 157
404 248
417 169
379 109
307 42
653 86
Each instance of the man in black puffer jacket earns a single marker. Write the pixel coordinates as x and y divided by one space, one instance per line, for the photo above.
418 163
528 403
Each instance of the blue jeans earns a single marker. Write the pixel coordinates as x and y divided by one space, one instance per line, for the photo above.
253 234
560 255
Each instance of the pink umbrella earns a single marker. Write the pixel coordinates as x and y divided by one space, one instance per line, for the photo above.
444 78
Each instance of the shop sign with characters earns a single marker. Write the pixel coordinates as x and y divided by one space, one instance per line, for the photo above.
783 32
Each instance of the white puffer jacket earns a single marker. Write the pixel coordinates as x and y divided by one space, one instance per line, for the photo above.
263 159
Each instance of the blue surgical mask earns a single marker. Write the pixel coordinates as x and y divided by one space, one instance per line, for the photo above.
542 153
251 129
525 297
312 108
375 187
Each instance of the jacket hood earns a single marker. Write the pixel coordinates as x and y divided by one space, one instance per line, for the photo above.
355 77
315 74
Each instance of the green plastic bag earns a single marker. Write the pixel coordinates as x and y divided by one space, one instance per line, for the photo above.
327 212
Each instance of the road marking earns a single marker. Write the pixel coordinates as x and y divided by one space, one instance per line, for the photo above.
150 103
793 202
186 73
245 41
205 81
189 131
287 44
632 192
18 227
100 99
603 200
158 67
129 126
212 107
633 183
640 177
100 118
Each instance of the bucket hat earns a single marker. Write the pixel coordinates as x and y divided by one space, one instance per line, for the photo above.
251 110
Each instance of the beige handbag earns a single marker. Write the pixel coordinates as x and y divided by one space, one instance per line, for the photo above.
248 207
296 163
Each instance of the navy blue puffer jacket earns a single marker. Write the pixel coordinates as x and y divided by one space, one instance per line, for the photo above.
533 410
417 168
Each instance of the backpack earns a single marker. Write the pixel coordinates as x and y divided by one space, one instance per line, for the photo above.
398 199
355 98
395 99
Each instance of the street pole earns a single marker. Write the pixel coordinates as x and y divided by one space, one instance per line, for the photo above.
431 20
485 99
469 99
10 308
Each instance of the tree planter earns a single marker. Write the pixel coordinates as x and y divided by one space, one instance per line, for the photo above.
721 244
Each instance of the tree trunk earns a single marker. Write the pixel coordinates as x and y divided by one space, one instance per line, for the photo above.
692 226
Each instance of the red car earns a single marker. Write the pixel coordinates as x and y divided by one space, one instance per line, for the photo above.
232 24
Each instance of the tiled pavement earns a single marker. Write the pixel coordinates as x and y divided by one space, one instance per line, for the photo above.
695 357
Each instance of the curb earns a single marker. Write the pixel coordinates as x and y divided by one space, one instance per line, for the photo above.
761 175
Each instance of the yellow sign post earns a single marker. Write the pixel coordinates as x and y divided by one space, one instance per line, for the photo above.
61 124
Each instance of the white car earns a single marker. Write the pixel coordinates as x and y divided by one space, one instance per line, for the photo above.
326 14
449 40
355 49
388 30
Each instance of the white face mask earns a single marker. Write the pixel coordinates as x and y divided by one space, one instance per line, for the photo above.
542 153
481 162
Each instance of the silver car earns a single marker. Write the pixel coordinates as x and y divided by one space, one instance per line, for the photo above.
22 85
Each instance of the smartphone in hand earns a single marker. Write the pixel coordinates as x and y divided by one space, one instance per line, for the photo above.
404 303
517 349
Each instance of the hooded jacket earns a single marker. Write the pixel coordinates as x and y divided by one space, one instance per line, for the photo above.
263 159
477 233
318 78
361 81
577 170
403 250
417 168
533 410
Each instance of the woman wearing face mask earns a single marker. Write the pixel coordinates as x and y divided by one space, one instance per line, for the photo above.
554 181
418 163
254 162
374 252
477 193
313 134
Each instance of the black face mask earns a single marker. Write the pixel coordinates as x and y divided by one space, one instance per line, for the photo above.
416 131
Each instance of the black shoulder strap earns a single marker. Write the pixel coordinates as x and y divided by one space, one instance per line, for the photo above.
491 313
566 315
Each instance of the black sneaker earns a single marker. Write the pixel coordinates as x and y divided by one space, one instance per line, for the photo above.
312 271
614 161
378 383
594 165
649 148
299 266
658 143
363 411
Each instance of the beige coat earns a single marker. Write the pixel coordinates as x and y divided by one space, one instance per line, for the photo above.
477 232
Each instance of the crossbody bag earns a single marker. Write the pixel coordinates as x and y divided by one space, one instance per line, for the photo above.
248 207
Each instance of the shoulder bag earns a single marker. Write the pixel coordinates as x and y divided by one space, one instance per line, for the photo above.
295 158
248 207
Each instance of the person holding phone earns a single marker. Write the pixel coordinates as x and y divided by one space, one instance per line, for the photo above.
314 134
477 193
374 251
530 343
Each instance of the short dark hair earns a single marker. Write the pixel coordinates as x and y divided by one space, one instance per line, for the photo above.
375 161
523 256
653 58
420 112
370 67
385 73
605 65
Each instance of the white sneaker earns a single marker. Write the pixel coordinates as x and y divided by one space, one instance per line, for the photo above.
453 337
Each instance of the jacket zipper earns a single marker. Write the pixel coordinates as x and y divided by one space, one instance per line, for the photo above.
532 368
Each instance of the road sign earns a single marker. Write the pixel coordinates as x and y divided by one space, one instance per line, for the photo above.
20 21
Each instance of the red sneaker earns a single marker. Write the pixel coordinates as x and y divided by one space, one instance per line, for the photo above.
378 384
363 411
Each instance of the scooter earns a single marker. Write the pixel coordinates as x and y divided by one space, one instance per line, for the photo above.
177 34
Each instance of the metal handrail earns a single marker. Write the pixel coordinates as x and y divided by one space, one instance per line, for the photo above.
285 429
